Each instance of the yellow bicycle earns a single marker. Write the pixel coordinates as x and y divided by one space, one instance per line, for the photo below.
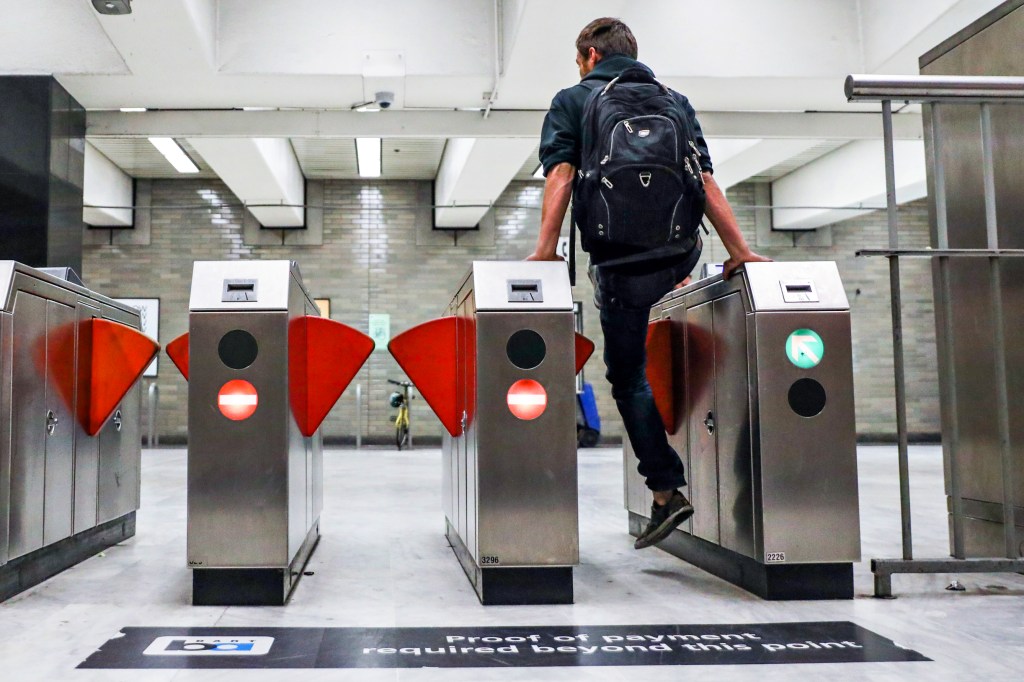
400 400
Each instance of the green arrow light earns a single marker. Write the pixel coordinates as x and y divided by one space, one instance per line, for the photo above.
804 348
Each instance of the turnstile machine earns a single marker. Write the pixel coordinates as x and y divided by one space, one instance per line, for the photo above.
753 380
70 444
264 370
498 371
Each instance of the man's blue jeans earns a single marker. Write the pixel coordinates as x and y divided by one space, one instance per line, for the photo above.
624 304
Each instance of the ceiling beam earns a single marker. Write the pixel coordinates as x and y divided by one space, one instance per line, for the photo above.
846 179
473 174
259 171
106 187
758 158
334 123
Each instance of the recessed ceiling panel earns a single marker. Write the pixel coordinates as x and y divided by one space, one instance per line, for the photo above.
401 158
137 157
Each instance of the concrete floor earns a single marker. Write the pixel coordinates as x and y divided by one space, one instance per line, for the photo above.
383 561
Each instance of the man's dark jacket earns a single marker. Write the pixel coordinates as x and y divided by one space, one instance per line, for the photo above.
561 138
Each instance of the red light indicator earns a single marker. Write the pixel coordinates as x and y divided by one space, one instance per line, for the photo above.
237 399
527 399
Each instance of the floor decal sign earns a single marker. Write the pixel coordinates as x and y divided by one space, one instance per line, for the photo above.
481 647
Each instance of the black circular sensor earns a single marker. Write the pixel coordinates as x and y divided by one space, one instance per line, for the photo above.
238 349
807 397
526 349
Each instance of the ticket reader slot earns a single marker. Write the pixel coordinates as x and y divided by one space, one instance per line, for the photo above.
525 291
799 291
239 291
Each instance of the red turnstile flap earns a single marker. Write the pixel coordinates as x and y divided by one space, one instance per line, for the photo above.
177 350
118 357
427 354
584 349
323 357
660 370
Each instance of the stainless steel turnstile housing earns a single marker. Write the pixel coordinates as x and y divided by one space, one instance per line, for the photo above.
774 492
255 485
64 495
509 485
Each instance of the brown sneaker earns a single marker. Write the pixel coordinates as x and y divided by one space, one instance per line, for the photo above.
664 519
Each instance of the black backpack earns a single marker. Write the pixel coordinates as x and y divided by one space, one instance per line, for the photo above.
640 183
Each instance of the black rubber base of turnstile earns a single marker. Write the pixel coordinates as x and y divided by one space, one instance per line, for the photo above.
33 568
775 582
252 586
520 586
240 586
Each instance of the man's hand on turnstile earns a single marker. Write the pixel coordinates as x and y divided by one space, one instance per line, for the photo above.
544 256
736 261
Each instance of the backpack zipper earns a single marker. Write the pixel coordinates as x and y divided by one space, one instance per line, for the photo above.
696 161
625 122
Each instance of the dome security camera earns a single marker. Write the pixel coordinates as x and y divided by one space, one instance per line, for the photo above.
384 99
113 6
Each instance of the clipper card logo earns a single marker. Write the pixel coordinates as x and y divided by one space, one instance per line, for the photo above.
209 646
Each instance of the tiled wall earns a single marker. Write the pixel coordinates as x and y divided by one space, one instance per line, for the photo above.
380 256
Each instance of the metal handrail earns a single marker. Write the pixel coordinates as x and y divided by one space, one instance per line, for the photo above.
963 89
152 437
982 91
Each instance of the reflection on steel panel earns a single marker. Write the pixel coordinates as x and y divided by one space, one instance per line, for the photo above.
735 484
527 498
60 391
119 475
87 456
808 465
29 422
238 471
703 475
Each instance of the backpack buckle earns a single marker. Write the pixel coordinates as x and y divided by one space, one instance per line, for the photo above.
645 178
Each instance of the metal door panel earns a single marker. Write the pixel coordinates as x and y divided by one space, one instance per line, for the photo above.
961 157
460 453
472 535
808 464
6 358
28 419
87 448
300 490
238 470
680 439
1008 141
298 487
528 506
119 455
736 512
61 323
700 389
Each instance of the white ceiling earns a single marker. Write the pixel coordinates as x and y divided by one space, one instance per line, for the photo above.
755 56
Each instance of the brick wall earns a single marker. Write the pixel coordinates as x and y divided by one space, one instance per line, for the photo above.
380 256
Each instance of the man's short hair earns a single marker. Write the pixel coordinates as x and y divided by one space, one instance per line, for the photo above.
608 36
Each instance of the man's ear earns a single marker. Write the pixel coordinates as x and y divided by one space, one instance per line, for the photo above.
593 55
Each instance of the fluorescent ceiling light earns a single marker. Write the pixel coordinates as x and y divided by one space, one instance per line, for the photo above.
539 173
131 110
173 153
368 156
